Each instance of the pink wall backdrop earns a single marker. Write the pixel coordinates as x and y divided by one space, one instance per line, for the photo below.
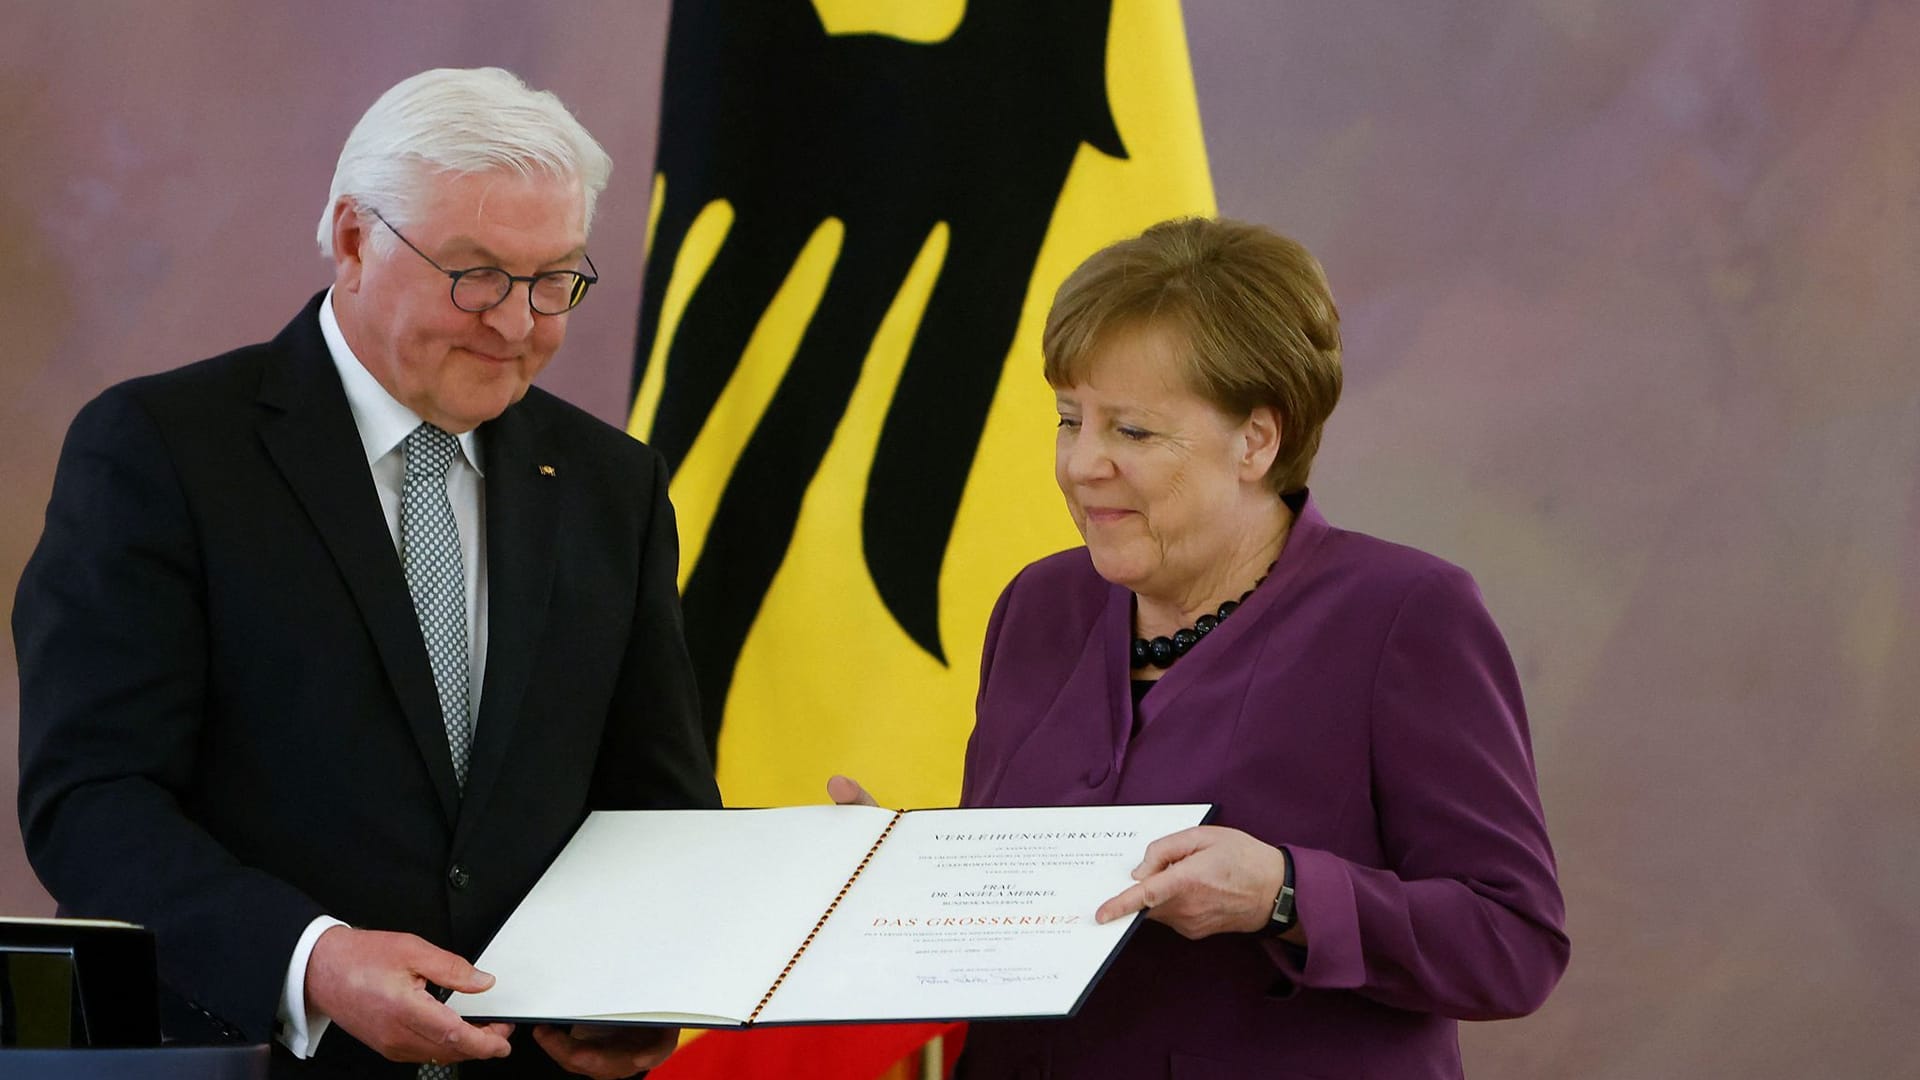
1630 290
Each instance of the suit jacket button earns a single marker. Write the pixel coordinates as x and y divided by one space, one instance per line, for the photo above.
458 877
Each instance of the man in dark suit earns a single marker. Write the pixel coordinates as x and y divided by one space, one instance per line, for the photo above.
331 643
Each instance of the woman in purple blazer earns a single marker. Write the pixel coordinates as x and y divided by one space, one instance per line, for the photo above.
1379 867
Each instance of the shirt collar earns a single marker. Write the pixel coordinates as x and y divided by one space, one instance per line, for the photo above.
382 421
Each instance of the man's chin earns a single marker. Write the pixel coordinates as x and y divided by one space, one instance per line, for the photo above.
479 408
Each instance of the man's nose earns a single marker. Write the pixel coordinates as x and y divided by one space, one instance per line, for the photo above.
513 317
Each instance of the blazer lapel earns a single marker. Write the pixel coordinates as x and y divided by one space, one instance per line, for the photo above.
1073 752
1309 529
524 484
309 433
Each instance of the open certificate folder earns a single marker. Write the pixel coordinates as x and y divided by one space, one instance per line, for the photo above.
821 914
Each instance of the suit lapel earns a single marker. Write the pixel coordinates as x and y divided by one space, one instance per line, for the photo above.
524 479
1072 752
309 433
1202 664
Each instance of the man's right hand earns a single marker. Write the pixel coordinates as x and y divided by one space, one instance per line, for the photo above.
373 984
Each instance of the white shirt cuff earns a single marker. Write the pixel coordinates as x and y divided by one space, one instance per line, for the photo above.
300 1030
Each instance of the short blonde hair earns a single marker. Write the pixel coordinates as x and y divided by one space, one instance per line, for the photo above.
1252 308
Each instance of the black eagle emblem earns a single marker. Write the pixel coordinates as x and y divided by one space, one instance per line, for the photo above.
765 109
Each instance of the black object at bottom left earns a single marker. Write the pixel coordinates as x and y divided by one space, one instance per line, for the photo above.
68 983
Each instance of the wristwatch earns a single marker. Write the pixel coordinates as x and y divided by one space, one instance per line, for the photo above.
1283 916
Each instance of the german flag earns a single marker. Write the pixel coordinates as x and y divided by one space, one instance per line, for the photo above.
860 213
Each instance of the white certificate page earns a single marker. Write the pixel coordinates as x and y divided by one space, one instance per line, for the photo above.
671 916
977 913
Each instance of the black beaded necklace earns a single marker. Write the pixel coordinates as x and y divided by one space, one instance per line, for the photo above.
1161 652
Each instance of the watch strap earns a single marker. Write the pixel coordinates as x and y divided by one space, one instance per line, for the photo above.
1283 911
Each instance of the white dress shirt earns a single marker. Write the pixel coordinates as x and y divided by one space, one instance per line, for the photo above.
384 425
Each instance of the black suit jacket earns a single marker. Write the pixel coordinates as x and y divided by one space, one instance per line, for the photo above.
228 723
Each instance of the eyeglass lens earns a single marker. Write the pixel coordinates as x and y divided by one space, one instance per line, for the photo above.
553 293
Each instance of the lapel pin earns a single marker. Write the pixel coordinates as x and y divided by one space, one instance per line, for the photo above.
546 470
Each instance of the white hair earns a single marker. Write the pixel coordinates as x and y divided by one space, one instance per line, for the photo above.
459 121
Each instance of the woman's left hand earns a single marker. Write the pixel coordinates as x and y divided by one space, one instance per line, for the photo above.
1204 880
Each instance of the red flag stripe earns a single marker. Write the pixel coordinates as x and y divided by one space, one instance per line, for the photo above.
837 1052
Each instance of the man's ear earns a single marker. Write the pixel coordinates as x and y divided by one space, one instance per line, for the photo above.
1259 442
349 245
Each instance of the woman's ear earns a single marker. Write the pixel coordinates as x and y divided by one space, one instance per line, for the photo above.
1259 442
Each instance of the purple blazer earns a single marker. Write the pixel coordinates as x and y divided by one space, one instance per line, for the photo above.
1360 709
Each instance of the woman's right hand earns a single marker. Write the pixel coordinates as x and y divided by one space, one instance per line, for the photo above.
1206 880
845 791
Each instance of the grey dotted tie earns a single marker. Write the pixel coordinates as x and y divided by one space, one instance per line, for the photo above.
430 552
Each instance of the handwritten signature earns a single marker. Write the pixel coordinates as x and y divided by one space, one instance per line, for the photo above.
997 978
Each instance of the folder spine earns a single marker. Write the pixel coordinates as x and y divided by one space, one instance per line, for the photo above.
824 916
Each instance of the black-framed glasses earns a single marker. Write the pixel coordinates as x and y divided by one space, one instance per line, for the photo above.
483 288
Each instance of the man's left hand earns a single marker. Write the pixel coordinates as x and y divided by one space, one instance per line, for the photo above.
1202 881
606 1053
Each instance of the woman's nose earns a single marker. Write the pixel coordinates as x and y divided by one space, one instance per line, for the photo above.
1086 457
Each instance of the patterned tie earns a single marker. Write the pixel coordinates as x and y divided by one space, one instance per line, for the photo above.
430 551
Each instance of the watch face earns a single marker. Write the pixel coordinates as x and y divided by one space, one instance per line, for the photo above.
1283 908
